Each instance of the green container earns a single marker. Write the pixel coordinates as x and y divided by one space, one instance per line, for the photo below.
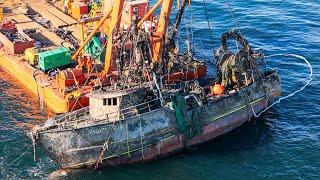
95 48
54 59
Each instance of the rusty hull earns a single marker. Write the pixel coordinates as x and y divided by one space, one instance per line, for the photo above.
154 134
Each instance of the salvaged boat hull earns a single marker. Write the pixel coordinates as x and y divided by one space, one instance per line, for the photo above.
153 134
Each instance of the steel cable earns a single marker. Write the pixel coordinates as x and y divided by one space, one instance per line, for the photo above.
209 26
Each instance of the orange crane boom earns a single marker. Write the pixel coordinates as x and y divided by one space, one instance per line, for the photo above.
114 24
162 29
101 22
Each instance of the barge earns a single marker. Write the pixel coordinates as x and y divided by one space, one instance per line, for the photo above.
18 22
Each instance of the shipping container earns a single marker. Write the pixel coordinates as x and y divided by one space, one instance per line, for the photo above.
70 77
53 59
8 26
78 9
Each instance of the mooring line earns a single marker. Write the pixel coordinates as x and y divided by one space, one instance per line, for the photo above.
20 156
293 93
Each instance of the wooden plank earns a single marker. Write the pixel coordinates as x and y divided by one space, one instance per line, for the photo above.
76 31
64 17
20 19
57 17
54 11
38 7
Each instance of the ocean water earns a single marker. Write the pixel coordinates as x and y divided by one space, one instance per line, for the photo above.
284 143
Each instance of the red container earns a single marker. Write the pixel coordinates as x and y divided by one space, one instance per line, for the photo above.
83 8
8 26
140 7
16 47
85 1
20 47
69 78
79 9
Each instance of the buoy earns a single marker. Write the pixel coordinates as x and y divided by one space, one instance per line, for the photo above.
217 89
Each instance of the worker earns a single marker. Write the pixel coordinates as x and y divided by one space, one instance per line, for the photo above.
89 65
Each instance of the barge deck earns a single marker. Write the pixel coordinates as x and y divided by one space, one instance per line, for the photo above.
35 81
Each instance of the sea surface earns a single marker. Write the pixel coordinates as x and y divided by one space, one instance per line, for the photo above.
284 143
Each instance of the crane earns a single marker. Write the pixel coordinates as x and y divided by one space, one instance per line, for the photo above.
114 16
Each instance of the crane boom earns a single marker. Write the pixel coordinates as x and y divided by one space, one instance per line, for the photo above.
114 24
162 29
101 22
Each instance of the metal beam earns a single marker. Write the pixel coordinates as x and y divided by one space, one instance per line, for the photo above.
151 11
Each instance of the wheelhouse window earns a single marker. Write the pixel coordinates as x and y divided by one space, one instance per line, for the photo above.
110 102
135 9
115 102
104 101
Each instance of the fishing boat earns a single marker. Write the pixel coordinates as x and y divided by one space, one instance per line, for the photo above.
147 111
113 131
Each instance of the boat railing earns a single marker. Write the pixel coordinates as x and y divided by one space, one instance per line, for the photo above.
71 115
121 114
133 110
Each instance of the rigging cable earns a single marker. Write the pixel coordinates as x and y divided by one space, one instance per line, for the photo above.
209 26
191 27
20 156
293 93
236 23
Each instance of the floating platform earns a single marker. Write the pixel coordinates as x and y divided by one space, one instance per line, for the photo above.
40 85
44 87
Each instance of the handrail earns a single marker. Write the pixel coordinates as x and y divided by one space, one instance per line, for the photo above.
131 107
115 114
